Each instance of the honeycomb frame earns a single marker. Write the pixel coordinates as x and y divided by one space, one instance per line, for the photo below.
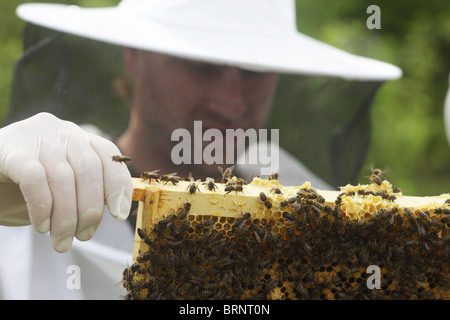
236 245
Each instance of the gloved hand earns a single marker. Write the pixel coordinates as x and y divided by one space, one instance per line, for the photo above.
65 176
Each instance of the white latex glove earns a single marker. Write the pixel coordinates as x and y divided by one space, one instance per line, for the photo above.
58 177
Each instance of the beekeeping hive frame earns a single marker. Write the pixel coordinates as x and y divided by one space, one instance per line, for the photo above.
358 226
157 200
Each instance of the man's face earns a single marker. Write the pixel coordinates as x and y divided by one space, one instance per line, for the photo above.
172 93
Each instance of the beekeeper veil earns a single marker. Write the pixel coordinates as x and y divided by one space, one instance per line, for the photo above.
72 67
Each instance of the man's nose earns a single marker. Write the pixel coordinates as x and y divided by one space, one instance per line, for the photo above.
227 98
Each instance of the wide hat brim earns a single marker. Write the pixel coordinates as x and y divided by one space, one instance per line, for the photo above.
293 53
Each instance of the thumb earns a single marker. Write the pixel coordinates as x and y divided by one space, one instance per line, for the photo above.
118 184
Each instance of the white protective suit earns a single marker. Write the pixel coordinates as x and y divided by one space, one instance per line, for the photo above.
31 269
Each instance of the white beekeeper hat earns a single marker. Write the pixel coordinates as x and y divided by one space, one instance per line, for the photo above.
259 35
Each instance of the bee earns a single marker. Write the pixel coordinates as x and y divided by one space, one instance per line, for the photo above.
185 259
241 220
262 196
338 200
185 287
134 267
325 223
210 184
396 190
227 278
409 215
273 176
171 177
320 199
275 190
134 212
377 172
385 195
148 175
143 235
330 255
423 215
284 203
292 200
229 188
317 208
308 217
144 257
185 226
183 213
209 224
233 187
350 193
290 233
240 182
227 174
268 204
375 179
193 186
399 220
376 176
121 159
288 216
328 209
298 208
165 222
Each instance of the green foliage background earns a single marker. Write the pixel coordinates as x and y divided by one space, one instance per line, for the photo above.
408 131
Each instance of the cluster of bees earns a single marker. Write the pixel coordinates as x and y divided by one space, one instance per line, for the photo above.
232 183
308 249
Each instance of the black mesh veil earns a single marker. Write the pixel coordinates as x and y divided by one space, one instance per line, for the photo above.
323 121
70 77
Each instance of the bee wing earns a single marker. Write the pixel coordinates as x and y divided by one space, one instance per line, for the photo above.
119 284
229 170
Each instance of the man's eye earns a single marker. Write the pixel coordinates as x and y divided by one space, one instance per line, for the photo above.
248 73
253 74
201 67
206 68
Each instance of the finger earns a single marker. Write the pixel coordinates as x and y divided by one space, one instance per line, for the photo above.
88 173
26 171
118 185
61 181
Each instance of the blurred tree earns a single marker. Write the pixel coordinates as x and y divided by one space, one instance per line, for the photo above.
408 131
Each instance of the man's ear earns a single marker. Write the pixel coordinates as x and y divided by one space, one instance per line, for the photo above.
130 60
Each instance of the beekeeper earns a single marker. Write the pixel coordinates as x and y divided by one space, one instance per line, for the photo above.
214 61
